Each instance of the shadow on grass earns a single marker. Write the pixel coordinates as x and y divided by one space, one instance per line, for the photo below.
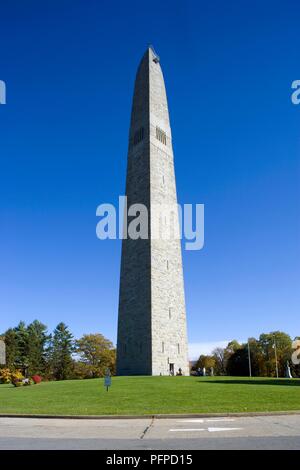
256 381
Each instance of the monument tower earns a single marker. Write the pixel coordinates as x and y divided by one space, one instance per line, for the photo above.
152 336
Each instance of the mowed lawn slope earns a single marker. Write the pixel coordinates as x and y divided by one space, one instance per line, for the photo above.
149 395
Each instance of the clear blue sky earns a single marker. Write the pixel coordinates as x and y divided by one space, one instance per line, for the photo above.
69 67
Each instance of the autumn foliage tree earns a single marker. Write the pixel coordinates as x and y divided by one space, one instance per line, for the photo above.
97 353
234 359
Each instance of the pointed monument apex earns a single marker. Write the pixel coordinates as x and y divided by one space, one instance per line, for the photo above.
155 56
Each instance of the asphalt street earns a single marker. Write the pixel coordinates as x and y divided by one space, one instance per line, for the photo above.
259 432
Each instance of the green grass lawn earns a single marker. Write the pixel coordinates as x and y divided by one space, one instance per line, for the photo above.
149 395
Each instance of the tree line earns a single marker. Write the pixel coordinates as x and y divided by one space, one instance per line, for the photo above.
57 356
234 359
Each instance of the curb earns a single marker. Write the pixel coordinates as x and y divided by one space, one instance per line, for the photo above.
155 416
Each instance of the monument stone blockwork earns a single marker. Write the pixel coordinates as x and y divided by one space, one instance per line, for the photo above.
152 333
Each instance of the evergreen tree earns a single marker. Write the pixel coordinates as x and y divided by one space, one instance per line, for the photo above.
21 359
237 363
37 340
60 352
11 346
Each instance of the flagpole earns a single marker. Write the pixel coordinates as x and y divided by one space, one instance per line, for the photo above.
276 358
249 359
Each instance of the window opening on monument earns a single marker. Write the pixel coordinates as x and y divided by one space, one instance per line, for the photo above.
170 313
162 347
178 348
138 136
167 264
161 136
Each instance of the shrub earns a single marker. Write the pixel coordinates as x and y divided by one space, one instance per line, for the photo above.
82 370
36 379
5 376
16 378
18 383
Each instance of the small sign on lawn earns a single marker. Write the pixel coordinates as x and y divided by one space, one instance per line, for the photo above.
107 379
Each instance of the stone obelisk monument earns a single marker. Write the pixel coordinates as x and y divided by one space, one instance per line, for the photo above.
152 334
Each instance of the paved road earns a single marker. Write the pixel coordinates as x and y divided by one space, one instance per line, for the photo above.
262 432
